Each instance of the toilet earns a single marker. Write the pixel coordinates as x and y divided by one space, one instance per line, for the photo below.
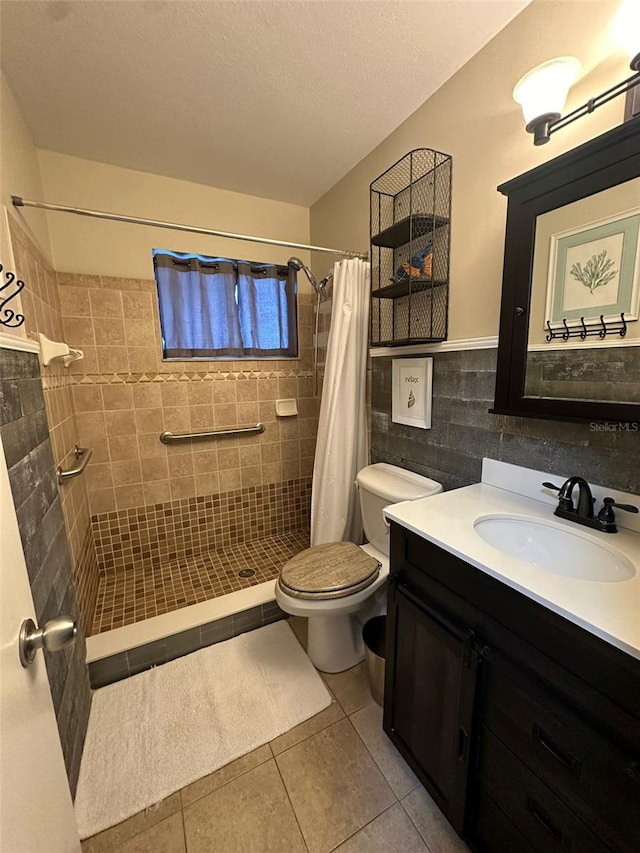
338 586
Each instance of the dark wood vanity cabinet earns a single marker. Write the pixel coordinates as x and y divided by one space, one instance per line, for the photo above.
430 717
524 728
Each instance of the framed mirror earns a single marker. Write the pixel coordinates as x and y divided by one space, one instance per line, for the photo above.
569 345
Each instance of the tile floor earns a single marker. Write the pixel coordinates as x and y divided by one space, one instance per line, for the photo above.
131 595
333 783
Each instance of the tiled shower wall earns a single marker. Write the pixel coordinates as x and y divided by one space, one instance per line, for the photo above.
125 395
42 310
28 452
463 431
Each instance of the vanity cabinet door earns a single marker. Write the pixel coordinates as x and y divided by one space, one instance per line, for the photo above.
429 694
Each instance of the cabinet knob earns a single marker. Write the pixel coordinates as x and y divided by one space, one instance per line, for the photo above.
633 770
519 311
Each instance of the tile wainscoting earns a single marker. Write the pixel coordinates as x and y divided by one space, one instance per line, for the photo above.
463 431
28 452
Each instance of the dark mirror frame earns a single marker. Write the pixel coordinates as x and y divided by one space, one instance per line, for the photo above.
604 162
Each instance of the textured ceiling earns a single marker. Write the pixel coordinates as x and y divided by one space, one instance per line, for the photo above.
275 99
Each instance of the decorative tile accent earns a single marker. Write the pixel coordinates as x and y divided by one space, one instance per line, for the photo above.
125 597
151 537
53 381
187 376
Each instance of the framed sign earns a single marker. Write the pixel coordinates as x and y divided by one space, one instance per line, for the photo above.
594 270
411 403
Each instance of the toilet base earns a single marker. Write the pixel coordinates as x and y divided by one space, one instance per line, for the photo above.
334 643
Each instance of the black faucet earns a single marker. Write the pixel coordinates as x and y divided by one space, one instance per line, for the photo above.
583 512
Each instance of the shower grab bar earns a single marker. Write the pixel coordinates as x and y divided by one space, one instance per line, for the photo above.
83 455
169 437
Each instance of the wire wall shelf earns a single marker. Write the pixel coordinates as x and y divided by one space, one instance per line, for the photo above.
410 228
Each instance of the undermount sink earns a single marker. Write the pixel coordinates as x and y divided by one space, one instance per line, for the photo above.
561 551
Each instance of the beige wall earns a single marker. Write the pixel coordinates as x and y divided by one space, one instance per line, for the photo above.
474 118
19 175
96 247
19 169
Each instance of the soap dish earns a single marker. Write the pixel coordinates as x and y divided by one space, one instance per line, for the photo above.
286 408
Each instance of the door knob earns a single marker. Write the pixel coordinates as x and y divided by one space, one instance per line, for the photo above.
55 635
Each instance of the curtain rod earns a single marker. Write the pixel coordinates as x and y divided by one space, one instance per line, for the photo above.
174 226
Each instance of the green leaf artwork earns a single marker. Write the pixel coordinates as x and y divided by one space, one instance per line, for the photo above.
596 272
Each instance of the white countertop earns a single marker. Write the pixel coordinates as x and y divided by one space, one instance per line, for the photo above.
610 610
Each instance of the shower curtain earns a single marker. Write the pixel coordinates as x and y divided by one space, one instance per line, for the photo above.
342 446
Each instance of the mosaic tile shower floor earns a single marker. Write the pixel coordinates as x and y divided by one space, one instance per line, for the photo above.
130 596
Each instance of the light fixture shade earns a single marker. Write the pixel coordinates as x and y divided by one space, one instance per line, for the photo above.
626 30
542 92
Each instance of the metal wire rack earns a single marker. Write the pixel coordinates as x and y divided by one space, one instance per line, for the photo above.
410 227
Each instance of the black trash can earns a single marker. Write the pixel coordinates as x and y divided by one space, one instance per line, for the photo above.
374 636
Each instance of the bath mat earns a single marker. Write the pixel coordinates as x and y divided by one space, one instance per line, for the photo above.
158 731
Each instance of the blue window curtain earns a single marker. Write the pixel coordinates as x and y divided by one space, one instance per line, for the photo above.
217 307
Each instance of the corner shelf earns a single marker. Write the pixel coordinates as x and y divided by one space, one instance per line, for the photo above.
411 228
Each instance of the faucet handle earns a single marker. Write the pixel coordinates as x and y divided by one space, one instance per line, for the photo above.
610 502
565 501
607 516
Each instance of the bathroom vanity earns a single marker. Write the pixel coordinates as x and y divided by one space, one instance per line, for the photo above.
513 690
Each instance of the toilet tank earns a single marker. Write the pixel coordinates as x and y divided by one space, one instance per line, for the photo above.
380 485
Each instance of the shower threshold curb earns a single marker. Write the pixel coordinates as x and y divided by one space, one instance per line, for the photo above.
125 651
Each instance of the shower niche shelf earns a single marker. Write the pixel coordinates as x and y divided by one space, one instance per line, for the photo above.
410 224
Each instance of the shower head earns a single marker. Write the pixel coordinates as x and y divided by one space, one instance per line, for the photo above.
319 287
298 265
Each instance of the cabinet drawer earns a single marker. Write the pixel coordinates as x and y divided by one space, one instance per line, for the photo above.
545 821
593 775
493 832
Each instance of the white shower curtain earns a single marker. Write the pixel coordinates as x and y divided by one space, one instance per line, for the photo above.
342 446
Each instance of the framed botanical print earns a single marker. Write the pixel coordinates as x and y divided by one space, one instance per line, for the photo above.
594 270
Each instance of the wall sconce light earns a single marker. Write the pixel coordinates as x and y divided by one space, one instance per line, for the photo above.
542 92
626 31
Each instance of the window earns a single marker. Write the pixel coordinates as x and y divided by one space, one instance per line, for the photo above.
220 308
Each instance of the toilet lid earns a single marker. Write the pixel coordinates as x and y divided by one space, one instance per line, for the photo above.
332 570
